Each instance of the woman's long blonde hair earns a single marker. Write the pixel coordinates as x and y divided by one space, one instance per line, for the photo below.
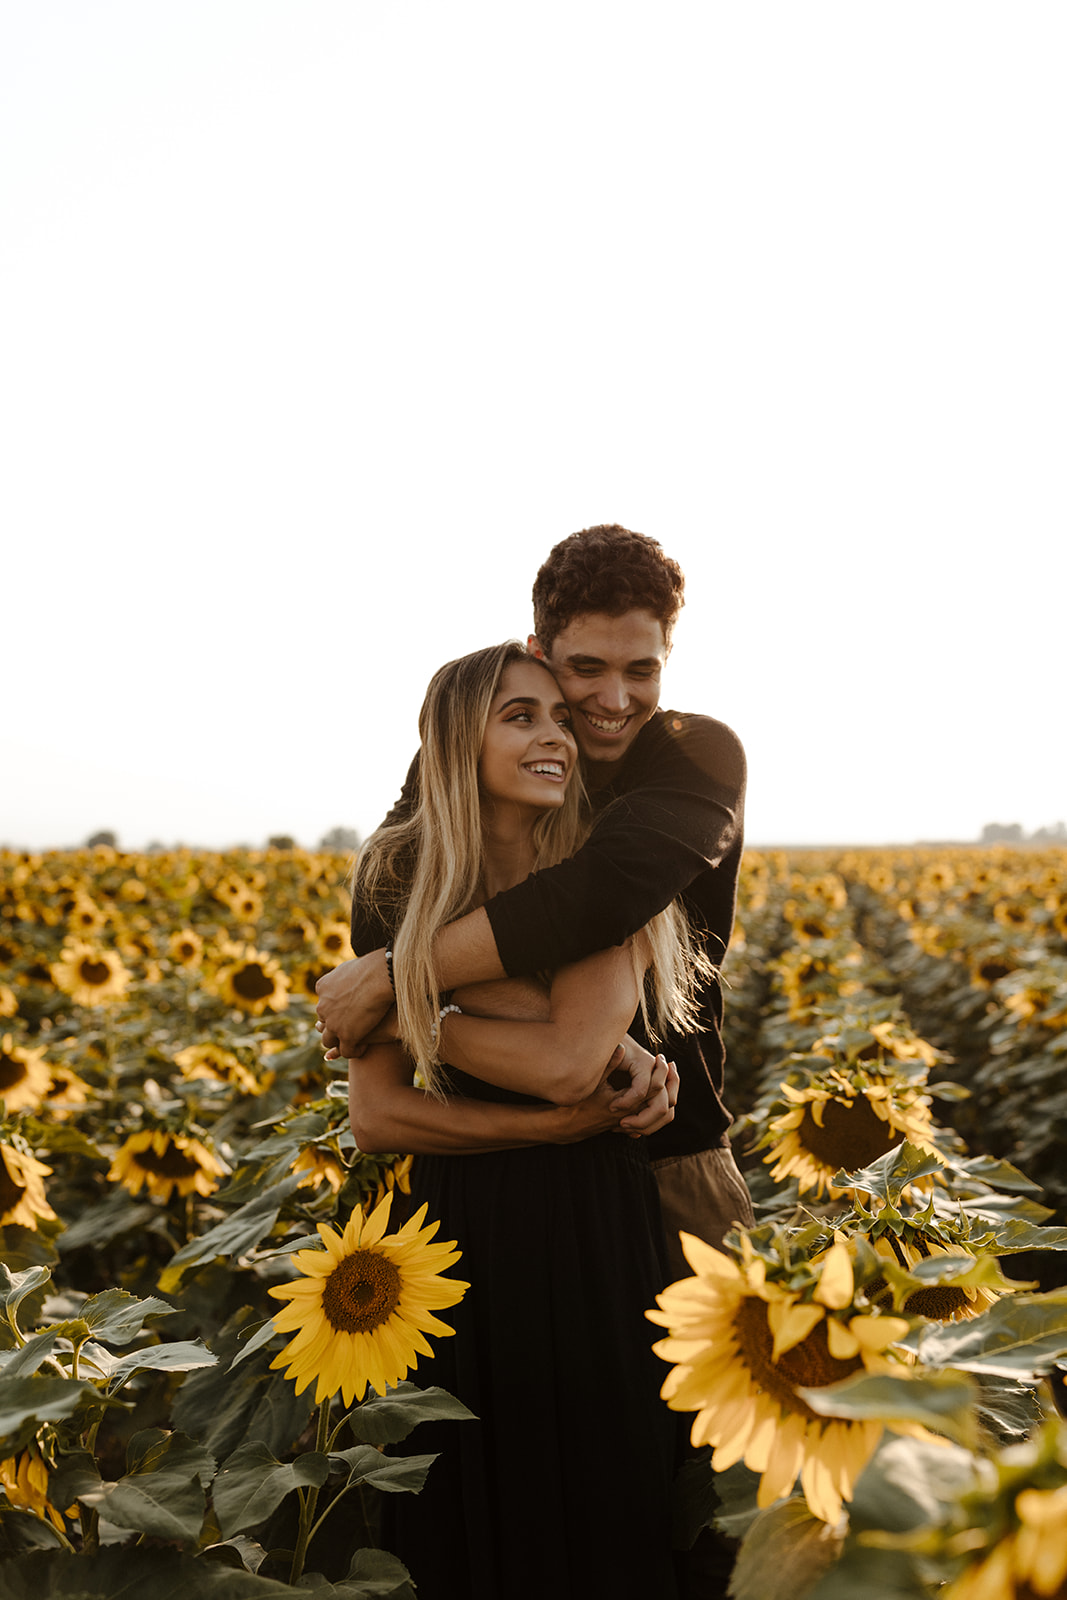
426 871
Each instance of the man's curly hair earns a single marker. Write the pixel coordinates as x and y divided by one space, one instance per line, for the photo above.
610 570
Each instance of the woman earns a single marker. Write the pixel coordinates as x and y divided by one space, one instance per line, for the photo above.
562 1486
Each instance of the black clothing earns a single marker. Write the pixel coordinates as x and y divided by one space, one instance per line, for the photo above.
670 823
562 1487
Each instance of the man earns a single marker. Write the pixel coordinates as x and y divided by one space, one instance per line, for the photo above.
668 794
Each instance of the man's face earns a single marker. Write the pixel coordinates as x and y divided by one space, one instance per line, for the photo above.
608 669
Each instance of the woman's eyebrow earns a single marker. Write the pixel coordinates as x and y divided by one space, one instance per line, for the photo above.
520 700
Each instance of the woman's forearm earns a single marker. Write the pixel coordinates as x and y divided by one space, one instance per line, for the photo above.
549 1058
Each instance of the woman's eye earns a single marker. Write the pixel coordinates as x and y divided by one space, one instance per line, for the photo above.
519 716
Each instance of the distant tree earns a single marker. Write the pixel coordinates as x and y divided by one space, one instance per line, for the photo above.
1053 834
281 841
340 839
104 837
1002 833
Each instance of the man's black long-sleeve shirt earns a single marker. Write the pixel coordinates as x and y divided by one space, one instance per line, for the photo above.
670 823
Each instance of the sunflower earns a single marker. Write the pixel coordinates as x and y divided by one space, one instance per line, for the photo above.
84 915
397 1176
1015 1547
66 1092
24 1078
745 1345
332 942
164 1162
362 1313
90 975
319 1164
988 969
254 982
22 1196
212 1061
844 1117
9 1003
24 1479
186 948
963 1293
1010 914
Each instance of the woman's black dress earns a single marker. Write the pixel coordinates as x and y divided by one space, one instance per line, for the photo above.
561 1488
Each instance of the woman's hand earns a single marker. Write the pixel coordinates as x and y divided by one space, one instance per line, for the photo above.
600 1112
640 1076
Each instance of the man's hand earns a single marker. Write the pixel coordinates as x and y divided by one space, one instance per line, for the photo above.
353 999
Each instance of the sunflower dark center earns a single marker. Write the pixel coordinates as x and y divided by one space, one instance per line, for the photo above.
852 1134
942 1302
173 1163
252 983
12 1071
10 1191
990 971
361 1293
808 1365
94 973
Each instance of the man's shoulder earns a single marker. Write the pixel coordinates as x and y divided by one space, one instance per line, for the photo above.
709 743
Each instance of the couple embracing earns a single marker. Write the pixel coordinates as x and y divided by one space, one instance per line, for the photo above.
559 875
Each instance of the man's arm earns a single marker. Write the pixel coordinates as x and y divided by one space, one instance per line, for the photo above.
388 1113
684 814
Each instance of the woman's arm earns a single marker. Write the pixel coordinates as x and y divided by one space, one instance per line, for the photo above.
387 1112
591 1004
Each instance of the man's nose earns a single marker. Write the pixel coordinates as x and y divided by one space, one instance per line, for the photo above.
612 694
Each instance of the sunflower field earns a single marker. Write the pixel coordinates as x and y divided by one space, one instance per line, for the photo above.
208 1321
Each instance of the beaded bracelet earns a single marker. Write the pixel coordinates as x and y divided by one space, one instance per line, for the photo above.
441 1015
389 968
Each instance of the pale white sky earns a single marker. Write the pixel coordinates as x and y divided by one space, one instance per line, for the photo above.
323 321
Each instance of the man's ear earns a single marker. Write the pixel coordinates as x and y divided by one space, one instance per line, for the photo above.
533 644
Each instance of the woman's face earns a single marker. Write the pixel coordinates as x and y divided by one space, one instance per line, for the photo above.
528 752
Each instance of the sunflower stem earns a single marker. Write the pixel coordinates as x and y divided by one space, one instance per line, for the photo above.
308 1502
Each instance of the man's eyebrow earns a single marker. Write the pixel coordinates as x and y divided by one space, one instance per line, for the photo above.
598 661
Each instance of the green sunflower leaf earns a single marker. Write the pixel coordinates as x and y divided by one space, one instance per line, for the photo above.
784 1552
15 1286
1022 1336
118 1317
233 1235
388 1418
131 1574
943 1402
164 1495
252 1482
185 1356
262 1336
395 1474
890 1175
38 1399
375 1575
22 1363
1018 1235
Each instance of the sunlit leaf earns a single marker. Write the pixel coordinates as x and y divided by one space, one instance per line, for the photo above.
941 1401
1022 1336
21 1363
233 1235
183 1356
15 1286
118 1317
890 1175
